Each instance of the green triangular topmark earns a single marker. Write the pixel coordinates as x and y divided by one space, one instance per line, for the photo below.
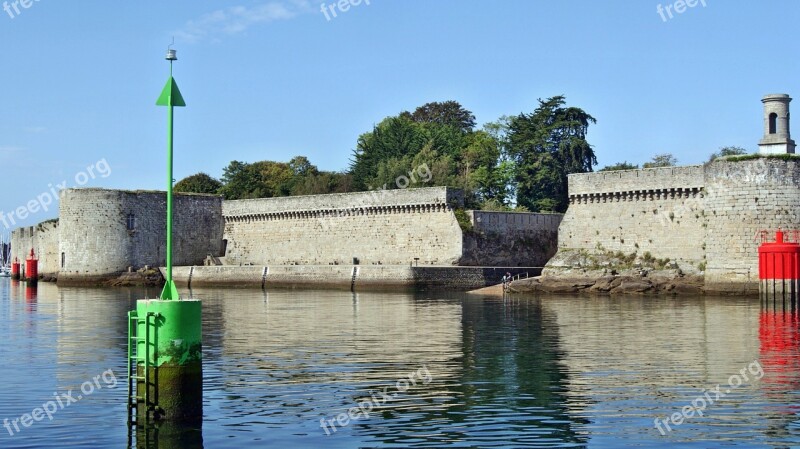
171 93
170 291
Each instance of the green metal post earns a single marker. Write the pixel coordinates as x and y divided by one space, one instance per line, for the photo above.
169 189
169 329
170 97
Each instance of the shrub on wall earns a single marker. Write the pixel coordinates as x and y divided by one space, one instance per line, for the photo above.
463 220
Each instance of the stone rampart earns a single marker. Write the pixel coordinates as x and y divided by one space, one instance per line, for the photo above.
386 227
742 199
703 220
103 232
644 180
43 238
657 211
510 238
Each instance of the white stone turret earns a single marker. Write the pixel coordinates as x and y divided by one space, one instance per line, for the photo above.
777 138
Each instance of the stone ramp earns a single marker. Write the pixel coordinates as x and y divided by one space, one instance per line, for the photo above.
492 290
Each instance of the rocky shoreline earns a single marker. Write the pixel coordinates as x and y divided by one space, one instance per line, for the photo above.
145 277
577 271
668 282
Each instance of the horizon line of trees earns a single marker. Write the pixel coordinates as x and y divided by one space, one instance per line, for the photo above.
669 160
517 162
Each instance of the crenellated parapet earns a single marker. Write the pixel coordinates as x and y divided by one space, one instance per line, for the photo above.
701 219
670 193
383 227
102 233
341 212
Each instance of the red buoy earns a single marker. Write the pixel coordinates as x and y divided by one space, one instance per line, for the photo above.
779 268
32 267
15 269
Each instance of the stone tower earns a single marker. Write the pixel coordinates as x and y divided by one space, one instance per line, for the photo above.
777 139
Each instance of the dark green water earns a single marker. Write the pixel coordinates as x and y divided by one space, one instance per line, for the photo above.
429 370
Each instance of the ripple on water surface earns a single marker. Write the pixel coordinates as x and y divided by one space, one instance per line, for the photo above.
422 370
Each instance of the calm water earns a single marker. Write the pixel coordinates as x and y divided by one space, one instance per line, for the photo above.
551 372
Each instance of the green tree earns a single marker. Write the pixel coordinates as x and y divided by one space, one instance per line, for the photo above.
301 166
505 172
448 113
264 179
547 145
661 160
198 183
393 138
321 183
625 165
442 139
727 151
239 181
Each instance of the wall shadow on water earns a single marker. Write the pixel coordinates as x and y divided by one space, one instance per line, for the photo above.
508 389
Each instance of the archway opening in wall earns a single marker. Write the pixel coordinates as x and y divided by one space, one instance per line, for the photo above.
773 123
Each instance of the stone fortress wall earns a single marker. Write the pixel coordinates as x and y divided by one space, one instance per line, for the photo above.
498 237
742 199
102 233
706 219
384 227
43 239
658 211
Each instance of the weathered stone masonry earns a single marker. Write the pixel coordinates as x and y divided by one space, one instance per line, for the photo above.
43 238
704 218
101 233
372 228
386 227
659 211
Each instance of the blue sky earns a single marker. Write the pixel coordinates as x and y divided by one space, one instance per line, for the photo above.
275 79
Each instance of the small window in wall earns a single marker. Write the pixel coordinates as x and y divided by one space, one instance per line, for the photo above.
63 259
131 222
773 123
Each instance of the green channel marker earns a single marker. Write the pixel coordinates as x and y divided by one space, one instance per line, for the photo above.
170 97
174 366
166 340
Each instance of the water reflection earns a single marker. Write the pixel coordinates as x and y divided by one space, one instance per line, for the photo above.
512 384
553 371
493 383
640 359
164 435
779 335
